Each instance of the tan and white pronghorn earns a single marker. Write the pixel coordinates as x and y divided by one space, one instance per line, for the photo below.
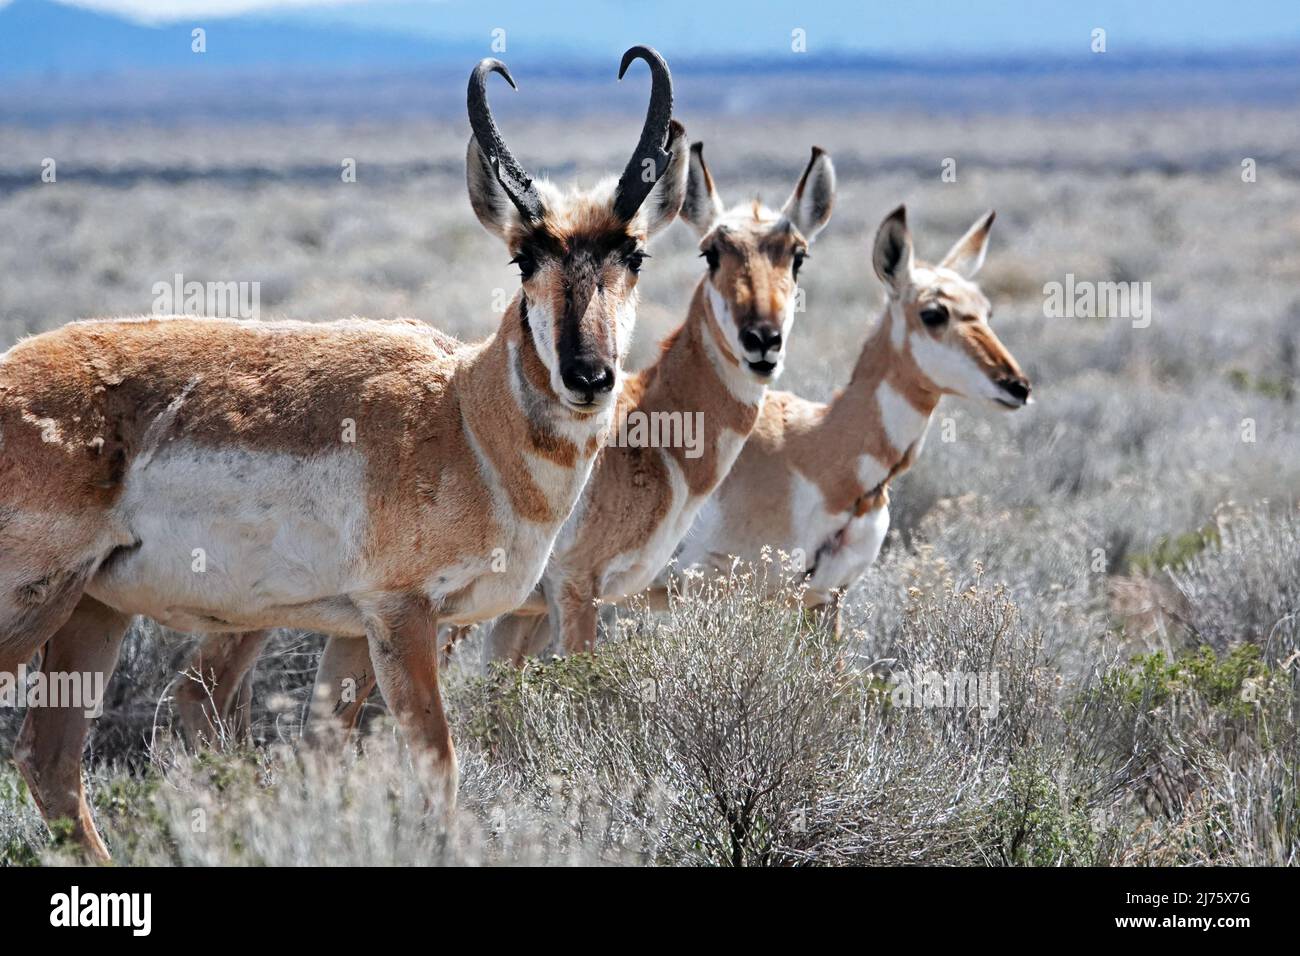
353 478
715 369
813 479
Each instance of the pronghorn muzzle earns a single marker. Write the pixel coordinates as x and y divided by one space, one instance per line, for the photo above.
1017 388
762 344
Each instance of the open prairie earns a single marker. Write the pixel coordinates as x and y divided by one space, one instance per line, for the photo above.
1120 561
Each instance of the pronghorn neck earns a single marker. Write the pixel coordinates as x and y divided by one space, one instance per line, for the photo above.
696 375
877 424
514 415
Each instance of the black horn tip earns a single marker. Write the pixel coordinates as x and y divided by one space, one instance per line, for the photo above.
697 147
817 151
675 130
492 65
647 53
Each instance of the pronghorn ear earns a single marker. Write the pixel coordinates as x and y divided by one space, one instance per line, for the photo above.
967 254
491 203
703 206
892 255
665 200
809 206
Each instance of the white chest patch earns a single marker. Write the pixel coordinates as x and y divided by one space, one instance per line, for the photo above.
504 572
903 423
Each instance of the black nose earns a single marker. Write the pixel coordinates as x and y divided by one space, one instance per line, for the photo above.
761 339
587 377
1015 387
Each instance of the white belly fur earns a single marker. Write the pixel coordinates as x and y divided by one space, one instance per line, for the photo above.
239 537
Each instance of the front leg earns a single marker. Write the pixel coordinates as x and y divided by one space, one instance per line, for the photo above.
403 639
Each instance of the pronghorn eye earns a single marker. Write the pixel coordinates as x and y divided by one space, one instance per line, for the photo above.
711 257
799 258
636 260
527 265
934 316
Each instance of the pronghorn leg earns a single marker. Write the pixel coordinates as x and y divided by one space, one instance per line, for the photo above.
451 635
404 649
513 637
214 700
50 745
828 614
653 598
575 608
538 638
344 679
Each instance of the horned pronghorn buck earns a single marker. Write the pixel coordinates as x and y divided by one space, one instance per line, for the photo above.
813 479
643 494
195 470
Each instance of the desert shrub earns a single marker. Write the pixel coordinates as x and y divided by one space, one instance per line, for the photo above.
21 829
1199 752
1248 587
731 732
1044 819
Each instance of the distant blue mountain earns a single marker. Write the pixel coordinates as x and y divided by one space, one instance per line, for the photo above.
44 38
63 63
38 37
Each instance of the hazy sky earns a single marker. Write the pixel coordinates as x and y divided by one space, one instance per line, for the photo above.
987 26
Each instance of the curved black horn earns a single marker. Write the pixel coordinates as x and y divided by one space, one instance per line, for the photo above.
632 186
512 177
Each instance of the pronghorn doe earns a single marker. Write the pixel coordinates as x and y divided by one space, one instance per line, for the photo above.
641 498
640 501
813 479
135 452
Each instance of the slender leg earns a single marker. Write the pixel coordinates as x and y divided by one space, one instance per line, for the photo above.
450 636
577 618
653 598
512 637
241 710
52 739
344 679
214 699
537 639
404 649
826 616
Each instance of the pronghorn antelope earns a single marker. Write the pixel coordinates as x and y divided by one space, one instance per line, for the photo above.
640 499
136 453
813 479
